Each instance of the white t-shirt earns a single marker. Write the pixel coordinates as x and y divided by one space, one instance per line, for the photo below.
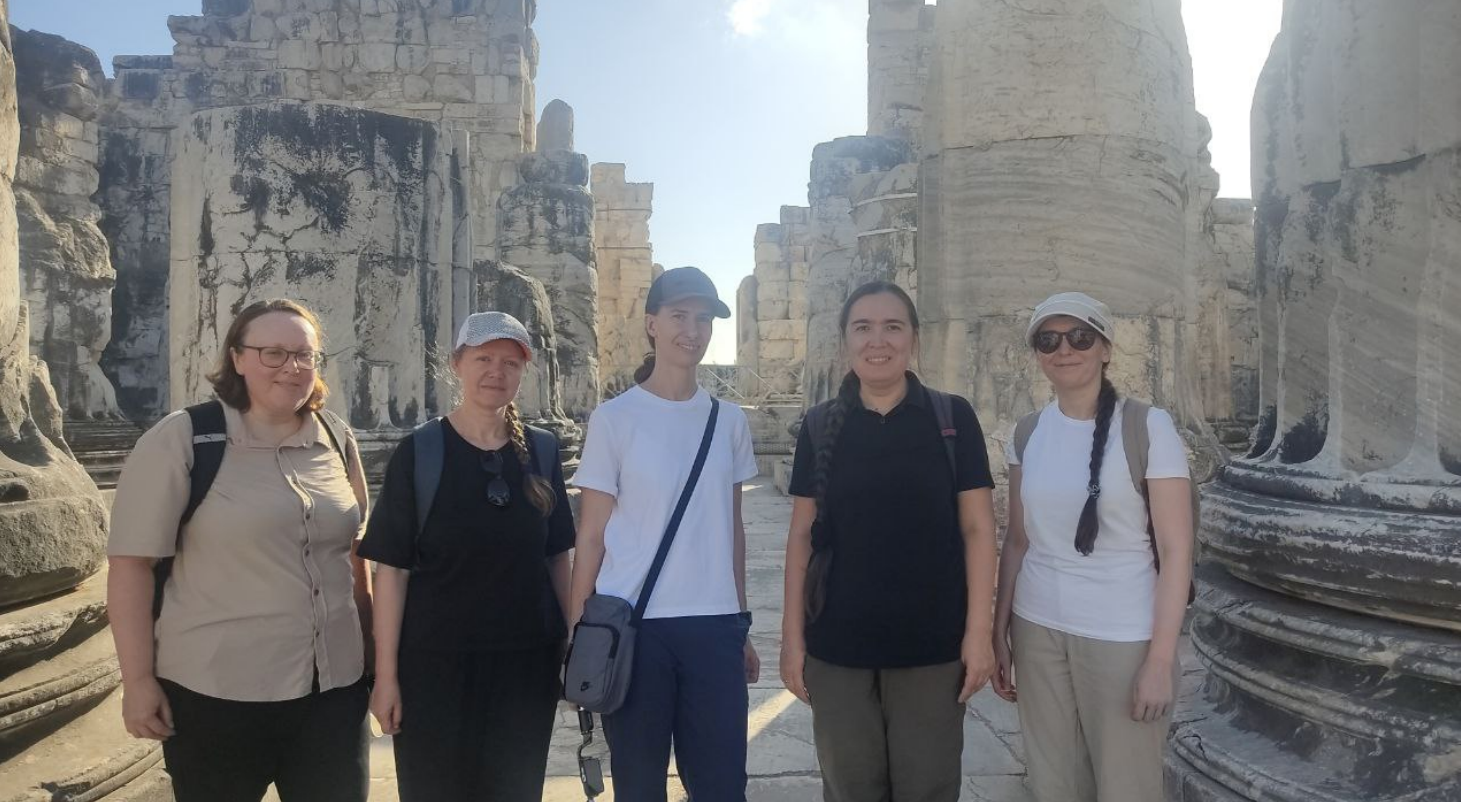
1110 594
640 449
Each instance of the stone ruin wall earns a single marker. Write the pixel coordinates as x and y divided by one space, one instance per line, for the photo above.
463 64
899 49
66 271
625 270
773 325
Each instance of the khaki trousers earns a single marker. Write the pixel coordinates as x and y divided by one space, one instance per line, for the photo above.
887 734
1075 712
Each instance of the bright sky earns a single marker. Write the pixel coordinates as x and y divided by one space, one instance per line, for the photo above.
719 102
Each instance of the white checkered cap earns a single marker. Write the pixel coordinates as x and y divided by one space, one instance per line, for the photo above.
484 327
1072 304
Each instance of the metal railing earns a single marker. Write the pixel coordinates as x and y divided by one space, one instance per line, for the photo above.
748 388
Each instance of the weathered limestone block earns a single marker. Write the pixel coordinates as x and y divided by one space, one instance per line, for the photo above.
343 209
555 130
837 263
1059 147
65 264
779 328
52 522
1330 613
504 288
899 49
546 229
625 260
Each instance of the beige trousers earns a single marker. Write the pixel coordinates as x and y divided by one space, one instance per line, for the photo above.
887 734
1075 712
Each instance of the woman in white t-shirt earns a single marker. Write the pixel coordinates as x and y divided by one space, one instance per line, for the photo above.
692 659
1090 604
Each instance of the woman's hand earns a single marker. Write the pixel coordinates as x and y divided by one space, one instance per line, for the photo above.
385 705
145 711
977 654
1004 671
793 667
1152 692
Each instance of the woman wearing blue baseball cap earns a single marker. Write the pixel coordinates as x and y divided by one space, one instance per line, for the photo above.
692 660
471 536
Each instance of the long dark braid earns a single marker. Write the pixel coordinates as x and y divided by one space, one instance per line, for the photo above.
846 400
539 492
1089 526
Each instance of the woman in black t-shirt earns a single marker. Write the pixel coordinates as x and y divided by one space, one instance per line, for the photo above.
469 629
889 567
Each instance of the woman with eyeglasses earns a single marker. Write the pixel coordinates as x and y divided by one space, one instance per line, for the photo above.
1093 578
249 665
471 584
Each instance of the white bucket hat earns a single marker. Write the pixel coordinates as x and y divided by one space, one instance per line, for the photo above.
1078 305
484 327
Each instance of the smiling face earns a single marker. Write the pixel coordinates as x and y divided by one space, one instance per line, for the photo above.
1066 367
681 331
880 338
282 390
490 373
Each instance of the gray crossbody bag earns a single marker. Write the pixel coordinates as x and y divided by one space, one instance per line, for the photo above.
601 656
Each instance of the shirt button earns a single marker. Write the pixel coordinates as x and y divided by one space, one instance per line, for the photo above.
306 552
317 591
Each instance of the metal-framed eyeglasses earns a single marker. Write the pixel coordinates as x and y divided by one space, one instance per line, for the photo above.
272 356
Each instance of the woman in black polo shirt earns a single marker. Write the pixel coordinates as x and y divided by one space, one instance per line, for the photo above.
470 629
889 567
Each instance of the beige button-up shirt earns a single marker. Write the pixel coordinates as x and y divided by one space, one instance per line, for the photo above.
261 592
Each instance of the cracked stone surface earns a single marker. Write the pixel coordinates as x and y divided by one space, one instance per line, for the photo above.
782 761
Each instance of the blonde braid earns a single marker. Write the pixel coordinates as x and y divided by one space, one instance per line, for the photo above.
539 491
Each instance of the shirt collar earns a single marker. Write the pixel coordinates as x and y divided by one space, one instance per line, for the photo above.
916 396
306 437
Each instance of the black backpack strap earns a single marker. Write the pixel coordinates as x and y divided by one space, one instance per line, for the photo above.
336 432
428 444
544 447
210 440
669 536
943 412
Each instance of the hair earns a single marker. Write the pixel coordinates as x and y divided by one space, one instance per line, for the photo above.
538 490
847 393
646 368
230 386
1089 526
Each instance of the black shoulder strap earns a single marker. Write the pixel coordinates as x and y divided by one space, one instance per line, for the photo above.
335 431
429 447
210 439
943 411
669 536
544 446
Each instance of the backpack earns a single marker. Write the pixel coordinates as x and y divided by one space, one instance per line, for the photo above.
429 446
210 440
943 412
1136 443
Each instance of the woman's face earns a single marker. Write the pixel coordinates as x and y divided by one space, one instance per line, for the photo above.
1066 367
490 373
284 389
880 339
681 330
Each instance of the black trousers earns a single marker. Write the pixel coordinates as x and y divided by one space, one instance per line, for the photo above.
476 725
313 749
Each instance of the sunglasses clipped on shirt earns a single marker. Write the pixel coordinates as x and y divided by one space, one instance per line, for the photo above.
1081 339
498 494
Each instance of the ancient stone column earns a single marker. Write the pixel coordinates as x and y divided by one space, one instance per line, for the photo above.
1060 148
841 169
546 229
64 259
624 258
55 659
1329 618
899 45
345 210
748 351
783 256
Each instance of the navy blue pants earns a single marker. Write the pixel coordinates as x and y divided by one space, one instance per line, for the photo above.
688 688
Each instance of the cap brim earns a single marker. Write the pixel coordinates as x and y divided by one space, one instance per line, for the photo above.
527 350
1060 310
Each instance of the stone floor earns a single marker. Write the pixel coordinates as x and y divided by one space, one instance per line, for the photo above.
782 762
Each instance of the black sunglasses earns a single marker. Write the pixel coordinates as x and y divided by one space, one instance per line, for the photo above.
498 493
1048 342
